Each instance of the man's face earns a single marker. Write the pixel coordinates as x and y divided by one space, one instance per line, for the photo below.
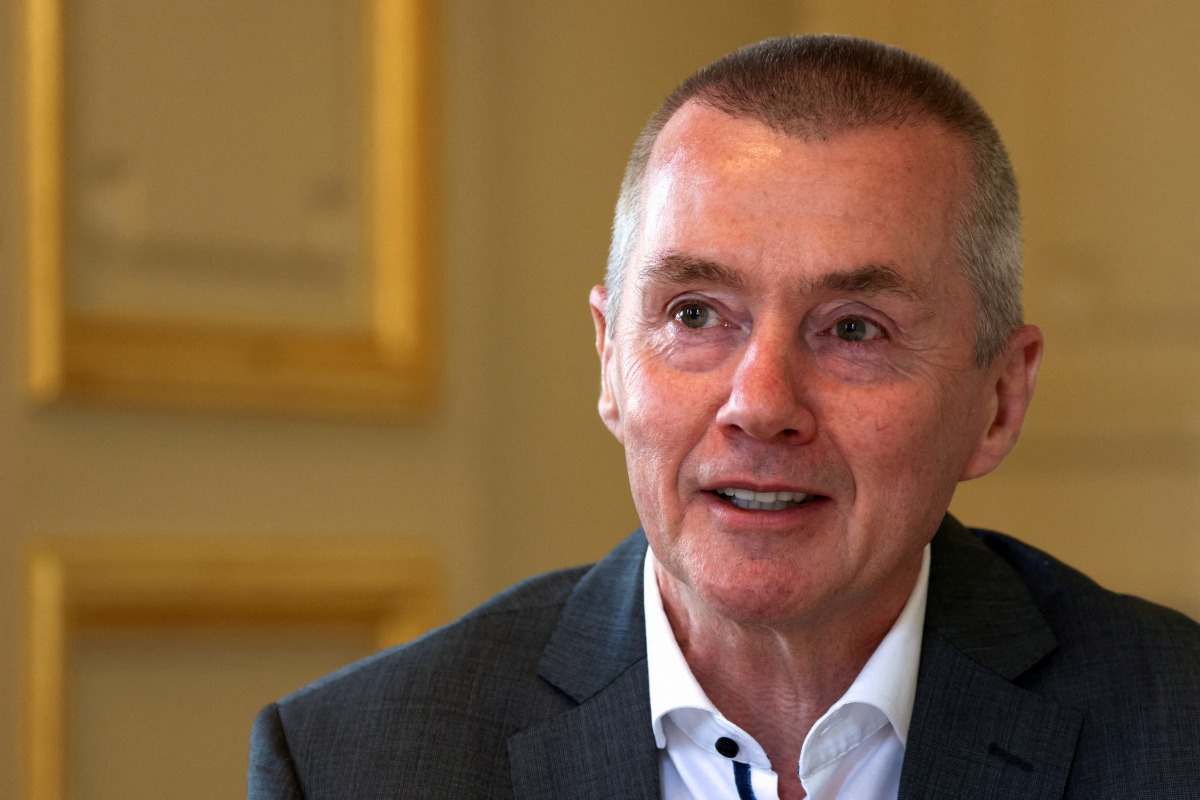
795 331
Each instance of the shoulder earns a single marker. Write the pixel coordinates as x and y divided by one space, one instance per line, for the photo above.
1130 667
1089 619
415 710
509 630
437 713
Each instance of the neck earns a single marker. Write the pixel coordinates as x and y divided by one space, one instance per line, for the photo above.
776 680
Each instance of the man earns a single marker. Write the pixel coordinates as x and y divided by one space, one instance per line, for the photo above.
809 334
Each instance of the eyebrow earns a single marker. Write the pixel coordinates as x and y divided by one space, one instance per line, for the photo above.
870 279
675 267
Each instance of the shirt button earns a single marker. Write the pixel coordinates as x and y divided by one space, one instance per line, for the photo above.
727 747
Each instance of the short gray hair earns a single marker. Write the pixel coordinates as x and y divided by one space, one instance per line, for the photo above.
821 86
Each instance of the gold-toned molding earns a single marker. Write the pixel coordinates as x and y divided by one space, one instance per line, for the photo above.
388 368
45 712
44 196
391 585
398 33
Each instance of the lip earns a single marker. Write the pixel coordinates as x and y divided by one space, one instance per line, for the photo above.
732 520
756 486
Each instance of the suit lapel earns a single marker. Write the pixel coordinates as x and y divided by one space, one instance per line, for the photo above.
604 746
602 749
974 732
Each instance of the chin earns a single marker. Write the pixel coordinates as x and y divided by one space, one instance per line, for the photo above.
758 594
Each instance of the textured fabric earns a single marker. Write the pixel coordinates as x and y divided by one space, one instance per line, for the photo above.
1034 683
854 750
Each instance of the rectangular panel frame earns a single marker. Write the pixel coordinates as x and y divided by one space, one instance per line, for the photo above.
385 369
391 585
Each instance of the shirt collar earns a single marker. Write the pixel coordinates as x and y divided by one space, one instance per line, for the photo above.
887 682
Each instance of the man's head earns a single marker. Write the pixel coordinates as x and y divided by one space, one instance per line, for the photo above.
792 362
818 87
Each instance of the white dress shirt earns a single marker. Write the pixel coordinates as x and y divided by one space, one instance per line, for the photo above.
854 750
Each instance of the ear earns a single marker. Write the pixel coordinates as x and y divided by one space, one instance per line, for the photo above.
610 409
1011 382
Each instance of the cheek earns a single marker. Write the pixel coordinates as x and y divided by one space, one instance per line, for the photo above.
660 405
648 426
665 417
640 400
902 443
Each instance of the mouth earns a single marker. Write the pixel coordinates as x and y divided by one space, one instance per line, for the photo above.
763 501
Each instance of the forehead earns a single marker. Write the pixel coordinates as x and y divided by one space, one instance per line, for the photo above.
733 191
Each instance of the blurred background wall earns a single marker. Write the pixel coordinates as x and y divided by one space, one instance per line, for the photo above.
512 473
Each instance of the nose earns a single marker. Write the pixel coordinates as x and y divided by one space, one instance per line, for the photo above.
768 399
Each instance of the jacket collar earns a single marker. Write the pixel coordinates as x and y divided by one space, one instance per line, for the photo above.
975 733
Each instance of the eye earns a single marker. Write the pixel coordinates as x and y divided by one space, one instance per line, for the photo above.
696 315
857 329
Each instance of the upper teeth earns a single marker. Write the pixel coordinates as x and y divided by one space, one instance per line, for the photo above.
770 501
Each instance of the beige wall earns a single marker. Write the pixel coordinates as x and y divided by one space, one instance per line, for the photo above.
513 473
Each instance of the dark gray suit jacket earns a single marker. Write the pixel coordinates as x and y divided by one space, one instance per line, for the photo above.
1034 683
